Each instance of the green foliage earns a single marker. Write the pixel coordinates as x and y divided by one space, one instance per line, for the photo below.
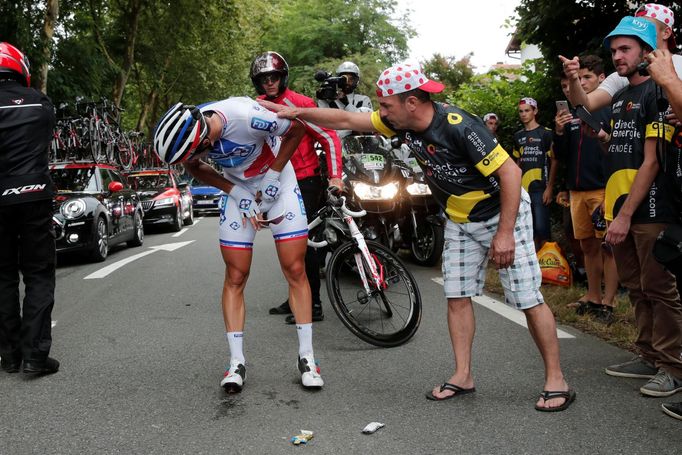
500 92
449 70
575 27
309 31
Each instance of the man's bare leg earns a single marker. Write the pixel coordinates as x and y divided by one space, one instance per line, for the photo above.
543 330
462 326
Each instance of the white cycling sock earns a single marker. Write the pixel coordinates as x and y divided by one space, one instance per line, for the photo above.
234 340
305 339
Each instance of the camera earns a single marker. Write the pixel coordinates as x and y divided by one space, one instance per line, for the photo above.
642 69
330 86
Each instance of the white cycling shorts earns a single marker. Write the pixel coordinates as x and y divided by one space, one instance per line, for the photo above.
235 234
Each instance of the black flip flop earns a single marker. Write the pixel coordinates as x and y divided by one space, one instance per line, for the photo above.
569 395
453 388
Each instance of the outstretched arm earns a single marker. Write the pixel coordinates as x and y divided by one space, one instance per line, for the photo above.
329 118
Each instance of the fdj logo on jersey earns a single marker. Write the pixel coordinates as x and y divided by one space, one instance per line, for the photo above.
263 125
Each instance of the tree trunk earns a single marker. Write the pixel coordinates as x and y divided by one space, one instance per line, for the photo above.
134 10
51 14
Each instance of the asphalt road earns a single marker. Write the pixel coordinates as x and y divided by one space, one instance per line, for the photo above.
143 350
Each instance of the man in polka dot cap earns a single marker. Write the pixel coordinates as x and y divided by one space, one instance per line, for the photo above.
405 77
489 218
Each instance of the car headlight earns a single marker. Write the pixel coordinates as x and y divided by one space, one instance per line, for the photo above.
164 201
73 209
374 192
418 189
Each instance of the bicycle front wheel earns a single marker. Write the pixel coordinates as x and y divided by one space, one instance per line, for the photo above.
387 315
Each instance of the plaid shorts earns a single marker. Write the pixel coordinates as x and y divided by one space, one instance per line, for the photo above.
465 259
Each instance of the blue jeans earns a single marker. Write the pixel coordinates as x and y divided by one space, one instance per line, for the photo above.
541 223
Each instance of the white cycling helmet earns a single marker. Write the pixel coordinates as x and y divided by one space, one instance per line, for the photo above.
179 133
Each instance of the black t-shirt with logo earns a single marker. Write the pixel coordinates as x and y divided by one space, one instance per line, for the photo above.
458 155
636 117
532 150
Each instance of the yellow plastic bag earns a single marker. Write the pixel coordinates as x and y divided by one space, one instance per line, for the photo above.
554 266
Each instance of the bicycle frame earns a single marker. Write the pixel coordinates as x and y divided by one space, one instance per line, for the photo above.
375 270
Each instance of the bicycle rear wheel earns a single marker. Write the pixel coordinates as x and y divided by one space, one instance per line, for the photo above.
124 152
385 317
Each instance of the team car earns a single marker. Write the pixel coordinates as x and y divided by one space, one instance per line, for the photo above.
205 198
164 200
94 208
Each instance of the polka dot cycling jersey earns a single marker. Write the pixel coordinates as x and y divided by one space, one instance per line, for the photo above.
249 140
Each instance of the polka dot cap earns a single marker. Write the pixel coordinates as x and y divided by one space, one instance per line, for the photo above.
661 13
403 78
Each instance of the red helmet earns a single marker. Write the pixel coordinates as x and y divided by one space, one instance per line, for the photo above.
12 60
269 62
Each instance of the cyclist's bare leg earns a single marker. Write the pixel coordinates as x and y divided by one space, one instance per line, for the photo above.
237 266
292 260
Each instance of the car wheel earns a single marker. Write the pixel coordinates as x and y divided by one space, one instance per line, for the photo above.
138 231
100 241
190 217
177 220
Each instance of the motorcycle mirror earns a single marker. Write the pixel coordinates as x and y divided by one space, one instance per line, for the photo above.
396 142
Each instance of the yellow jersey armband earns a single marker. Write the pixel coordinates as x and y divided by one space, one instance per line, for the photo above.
492 161
654 130
380 126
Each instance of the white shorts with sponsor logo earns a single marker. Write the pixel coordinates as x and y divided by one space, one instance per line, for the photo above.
235 234
465 258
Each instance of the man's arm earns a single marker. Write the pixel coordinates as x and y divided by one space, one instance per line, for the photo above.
619 227
288 146
503 243
548 195
592 101
663 73
206 174
329 118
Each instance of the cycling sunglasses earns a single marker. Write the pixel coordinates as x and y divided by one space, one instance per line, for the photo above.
274 220
269 78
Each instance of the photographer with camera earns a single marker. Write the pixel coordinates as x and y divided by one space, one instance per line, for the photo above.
270 77
338 92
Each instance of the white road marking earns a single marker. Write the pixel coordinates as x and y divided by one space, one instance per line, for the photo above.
179 233
101 273
506 311
54 323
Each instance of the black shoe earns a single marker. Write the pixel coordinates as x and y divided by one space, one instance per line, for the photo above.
674 410
318 316
47 366
11 363
282 309
604 315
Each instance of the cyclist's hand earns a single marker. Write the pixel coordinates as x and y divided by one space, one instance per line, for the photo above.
246 202
269 186
265 206
336 183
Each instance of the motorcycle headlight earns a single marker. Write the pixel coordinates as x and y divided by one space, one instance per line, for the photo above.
73 209
164 201
374 192
418 189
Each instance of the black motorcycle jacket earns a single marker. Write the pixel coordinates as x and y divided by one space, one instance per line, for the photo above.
26 123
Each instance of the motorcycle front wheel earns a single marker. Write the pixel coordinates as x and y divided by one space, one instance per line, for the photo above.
427 248
387 316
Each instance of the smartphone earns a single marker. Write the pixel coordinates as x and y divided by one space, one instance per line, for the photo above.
562 106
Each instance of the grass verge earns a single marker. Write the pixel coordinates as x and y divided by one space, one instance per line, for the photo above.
621 332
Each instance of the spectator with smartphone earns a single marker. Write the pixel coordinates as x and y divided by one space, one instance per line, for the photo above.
578 147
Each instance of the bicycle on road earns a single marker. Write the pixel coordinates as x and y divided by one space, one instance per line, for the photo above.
370 288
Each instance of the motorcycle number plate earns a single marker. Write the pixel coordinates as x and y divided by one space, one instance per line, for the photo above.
373 161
